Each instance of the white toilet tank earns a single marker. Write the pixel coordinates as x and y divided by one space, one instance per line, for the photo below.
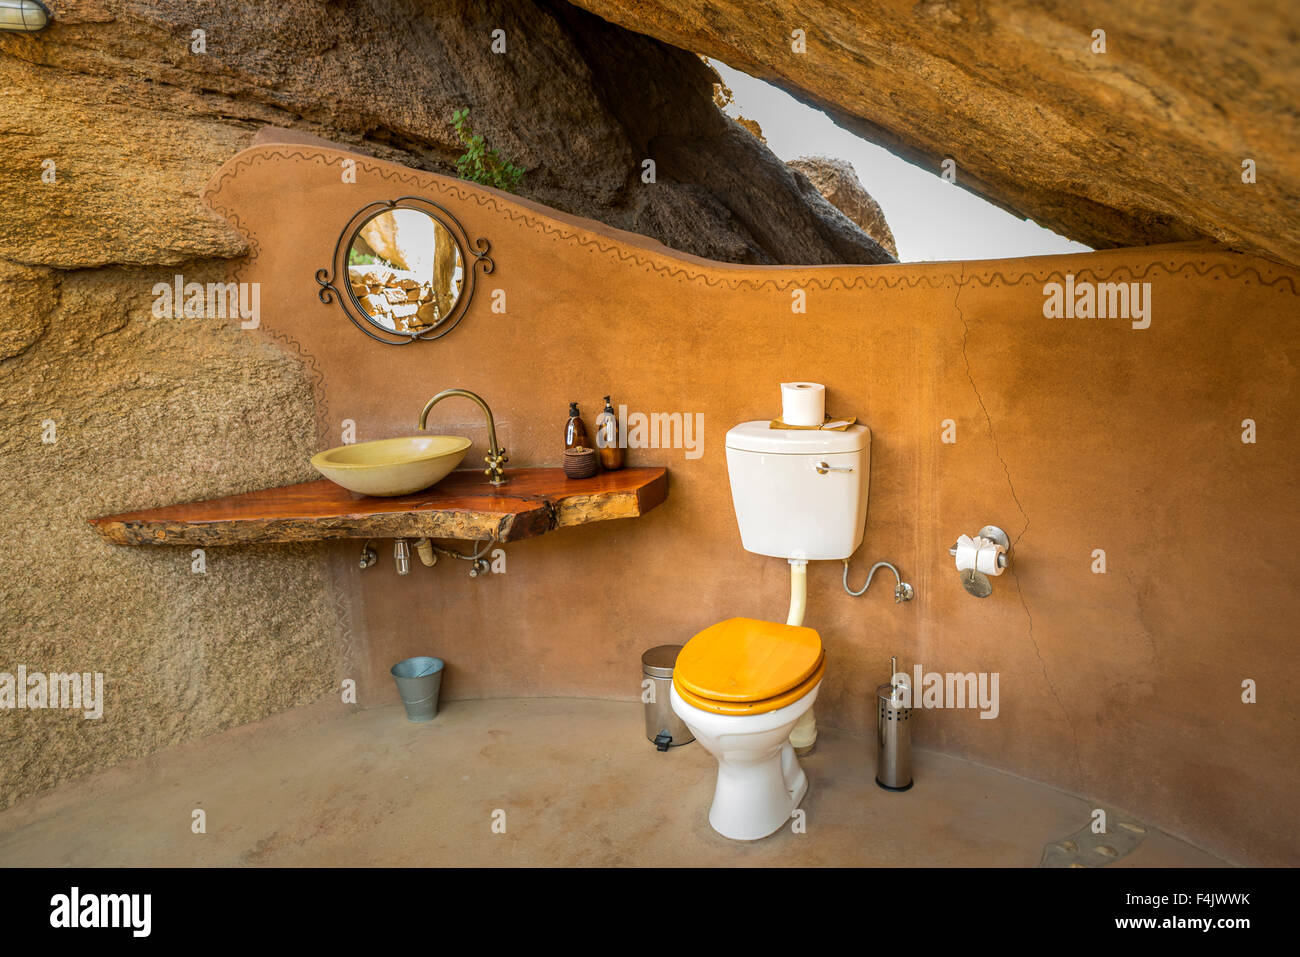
799 493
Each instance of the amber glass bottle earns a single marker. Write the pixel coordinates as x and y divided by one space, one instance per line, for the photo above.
607 439
575 433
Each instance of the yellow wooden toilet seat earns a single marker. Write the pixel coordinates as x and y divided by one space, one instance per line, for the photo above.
746 666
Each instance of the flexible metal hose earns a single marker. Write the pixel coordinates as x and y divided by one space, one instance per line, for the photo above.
870 575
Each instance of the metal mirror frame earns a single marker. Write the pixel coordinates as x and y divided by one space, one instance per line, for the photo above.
473 256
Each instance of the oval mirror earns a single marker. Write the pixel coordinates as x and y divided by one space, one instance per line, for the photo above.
405 271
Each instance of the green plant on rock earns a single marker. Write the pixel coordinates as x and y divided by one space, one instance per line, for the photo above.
481 163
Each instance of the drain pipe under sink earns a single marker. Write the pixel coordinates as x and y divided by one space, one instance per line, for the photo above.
803 737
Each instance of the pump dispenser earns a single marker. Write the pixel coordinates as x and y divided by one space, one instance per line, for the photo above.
575 433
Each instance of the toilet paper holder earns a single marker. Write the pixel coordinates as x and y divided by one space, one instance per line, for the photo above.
993 534
986 554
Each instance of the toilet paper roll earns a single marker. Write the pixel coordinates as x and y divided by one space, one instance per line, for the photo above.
966 552
981 554
803 403
986 558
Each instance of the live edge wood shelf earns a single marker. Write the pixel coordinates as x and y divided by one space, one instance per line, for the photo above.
463 506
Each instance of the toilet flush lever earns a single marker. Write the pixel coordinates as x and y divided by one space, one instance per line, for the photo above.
823 468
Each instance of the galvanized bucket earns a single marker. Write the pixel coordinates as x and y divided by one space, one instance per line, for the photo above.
418 681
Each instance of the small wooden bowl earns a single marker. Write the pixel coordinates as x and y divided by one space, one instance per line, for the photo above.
580 463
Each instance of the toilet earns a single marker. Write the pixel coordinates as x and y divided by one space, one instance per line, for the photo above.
742 686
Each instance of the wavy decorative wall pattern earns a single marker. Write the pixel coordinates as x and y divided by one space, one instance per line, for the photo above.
547 226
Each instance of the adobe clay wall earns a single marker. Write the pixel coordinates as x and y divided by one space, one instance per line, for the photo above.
1073 434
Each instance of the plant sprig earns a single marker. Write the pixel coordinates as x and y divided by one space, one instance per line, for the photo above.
481 163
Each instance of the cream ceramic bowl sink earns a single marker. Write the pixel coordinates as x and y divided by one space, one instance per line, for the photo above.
392 466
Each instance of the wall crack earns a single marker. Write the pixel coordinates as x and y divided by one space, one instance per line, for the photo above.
1006 469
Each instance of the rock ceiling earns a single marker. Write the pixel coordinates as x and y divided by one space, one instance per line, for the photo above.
1141 144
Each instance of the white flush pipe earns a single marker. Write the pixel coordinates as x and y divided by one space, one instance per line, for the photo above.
798 591
804 734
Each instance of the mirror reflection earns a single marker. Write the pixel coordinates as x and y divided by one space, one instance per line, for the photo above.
406 270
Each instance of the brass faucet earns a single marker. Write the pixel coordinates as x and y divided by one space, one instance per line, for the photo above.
496 456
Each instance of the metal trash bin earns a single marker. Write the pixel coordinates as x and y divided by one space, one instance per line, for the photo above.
662 726
418 681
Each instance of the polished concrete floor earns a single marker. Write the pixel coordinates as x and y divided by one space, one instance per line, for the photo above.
574 781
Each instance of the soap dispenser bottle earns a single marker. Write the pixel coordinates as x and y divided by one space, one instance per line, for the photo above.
575 433
607 439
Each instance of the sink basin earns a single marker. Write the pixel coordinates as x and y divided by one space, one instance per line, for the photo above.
392 466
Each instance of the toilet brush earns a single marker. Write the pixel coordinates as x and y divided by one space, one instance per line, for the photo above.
894 733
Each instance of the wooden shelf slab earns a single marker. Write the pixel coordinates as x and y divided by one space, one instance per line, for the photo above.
464 505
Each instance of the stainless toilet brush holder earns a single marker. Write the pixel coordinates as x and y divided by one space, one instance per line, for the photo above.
893 733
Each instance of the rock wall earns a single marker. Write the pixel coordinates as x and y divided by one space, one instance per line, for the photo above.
111 121
837 181
1142 143
578 102
103 408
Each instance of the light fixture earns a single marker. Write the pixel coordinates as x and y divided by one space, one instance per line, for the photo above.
23 16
